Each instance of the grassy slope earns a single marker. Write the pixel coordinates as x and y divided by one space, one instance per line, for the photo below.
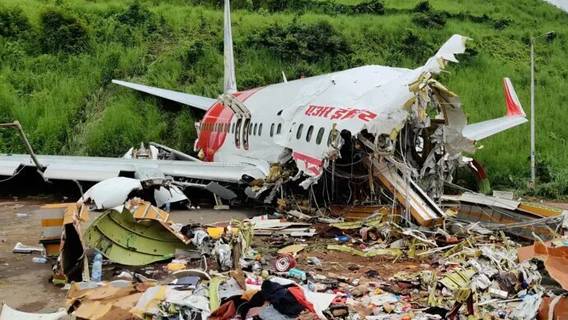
67 105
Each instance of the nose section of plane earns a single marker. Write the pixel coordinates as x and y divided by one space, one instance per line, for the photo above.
214 129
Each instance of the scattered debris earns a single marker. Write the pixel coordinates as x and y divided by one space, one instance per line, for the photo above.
22 248
12 314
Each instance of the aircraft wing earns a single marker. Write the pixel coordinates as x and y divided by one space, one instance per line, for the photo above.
199 102
97 168
514 117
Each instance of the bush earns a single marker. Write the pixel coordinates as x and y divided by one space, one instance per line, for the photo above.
501 24
13 23
415 47
370 7
298 41
62 33
423 6
279 5
429 19
135 15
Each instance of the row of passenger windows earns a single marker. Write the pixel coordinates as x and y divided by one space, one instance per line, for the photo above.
310 133
256 129
216 127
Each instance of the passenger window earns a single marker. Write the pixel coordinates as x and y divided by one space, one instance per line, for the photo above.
260 129
254 130
319 137
309 134
272 129
279 129
299 132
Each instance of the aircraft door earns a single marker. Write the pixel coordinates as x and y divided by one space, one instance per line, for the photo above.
238 133
246 131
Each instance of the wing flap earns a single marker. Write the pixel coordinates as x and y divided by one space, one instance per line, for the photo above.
198 102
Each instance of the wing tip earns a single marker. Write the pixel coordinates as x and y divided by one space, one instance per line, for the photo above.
514 107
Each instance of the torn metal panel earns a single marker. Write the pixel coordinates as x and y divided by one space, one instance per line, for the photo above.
513 222
172 194
478 198
149 176
446 53
123 240
111 193
409 195
533 209
146 211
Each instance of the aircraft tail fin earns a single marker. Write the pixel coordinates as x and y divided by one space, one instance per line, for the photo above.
230 79
515 116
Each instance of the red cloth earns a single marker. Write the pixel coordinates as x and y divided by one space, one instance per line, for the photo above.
298 293
225 312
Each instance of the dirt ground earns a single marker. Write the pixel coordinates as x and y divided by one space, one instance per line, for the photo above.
24 285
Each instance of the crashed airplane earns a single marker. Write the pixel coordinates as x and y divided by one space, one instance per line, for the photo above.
365 134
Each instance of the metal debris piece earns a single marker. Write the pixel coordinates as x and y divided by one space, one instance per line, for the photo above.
111 193
121 239
8 313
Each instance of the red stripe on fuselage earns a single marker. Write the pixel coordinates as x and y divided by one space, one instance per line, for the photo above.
215 124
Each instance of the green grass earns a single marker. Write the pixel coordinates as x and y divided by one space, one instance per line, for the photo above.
67 105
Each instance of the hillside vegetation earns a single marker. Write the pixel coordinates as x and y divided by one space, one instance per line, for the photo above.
57 59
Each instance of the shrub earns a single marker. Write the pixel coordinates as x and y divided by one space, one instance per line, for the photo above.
303 42
62 33
370 7
135 15
501 24
415 47
423 6
429 19
13 22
